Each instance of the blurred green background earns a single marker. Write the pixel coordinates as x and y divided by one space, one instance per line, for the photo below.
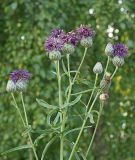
24 25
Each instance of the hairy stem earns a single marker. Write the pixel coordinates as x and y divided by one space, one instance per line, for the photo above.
27 124
114 72
96 78
93 136
23 122
78 70
62 114
83 125
108 60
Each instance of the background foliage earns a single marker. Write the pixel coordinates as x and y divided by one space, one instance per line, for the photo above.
24 26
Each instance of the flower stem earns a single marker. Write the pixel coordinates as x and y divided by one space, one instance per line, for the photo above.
114 72
93 136
62 114
96 78
108 60
12 94
78 70
27 124
83 125
85 51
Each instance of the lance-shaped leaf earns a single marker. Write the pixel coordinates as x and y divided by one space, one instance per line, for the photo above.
73 102
17 148
91 118
64 68
45 104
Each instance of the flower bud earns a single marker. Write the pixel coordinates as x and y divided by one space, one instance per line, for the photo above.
109 49
11 87
55 55
86 42
104 85
105 82
118 61
21 85
98 69
68 48
103 97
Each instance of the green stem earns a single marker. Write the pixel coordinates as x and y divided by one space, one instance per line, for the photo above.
27 124
82 92
114 72
12 94
83 125
78 70
93 136
96 78
108 60
85 51
62 114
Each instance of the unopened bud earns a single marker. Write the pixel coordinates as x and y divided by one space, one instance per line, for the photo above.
103 97
105 85
118 61
109 49
98 69
106 82
86 42
55 55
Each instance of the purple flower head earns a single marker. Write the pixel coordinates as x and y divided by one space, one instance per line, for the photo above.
120 50
53 44
84 32
70 38
17 75
56 33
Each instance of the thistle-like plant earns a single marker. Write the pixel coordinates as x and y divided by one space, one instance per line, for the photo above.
60 46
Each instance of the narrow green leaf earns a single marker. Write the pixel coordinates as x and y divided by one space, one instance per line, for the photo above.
91 118
17 148
73 102
56 119
75 129
76 100
45 104
47 146
64 68
28 129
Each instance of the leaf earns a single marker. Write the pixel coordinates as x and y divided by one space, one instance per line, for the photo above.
73 102
51 131
53 123
17 148
56 118
47 146
75 129
91 118
45 104
64 68
29 129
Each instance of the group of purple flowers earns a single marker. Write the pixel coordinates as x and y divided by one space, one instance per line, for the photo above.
118 52
59 41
